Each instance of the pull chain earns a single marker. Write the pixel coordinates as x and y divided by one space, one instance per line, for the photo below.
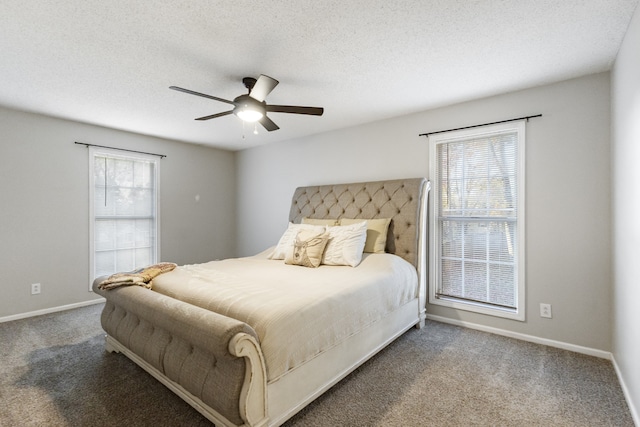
105 182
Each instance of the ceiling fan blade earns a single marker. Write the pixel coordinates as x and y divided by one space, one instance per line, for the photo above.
191 92
263 87
213 116
313 111
268 124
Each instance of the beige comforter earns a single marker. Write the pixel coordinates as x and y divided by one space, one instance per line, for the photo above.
297 312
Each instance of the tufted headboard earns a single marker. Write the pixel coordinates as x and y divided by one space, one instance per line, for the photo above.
402 200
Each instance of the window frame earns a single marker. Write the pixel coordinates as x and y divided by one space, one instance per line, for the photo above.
435 232
114 153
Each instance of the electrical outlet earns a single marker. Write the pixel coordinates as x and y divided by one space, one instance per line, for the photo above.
545 310
35 288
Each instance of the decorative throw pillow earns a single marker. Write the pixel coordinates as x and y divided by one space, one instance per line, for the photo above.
314 221
286 241
376 233
345 244
307 249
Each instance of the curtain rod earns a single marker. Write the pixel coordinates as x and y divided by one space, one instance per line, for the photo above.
121 149
484 124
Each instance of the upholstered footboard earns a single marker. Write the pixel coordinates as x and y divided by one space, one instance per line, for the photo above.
210 360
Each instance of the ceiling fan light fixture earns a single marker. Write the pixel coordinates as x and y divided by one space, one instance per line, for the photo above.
248 114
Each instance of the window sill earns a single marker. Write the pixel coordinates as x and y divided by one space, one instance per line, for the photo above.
477 307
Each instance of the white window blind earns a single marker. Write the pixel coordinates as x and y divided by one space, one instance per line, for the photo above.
124 211
478 219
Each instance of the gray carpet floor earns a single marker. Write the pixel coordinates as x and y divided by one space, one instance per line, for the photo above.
54 371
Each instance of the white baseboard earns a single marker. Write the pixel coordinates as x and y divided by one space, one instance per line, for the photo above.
634 412
50 310
524 337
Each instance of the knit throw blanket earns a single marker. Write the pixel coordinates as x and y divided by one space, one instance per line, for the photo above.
142 277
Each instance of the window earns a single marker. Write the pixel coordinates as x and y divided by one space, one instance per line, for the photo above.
123 211
477 219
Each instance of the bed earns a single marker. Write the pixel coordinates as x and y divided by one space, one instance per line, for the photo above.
254 357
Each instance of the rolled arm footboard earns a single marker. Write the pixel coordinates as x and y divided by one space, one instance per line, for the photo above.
214 358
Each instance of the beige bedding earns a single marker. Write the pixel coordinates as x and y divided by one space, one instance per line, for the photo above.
297 312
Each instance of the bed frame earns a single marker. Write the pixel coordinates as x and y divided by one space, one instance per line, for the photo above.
215 363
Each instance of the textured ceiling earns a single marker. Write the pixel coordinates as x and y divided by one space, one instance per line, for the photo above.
110 63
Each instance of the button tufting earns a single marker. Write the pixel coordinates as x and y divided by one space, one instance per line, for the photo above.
356 201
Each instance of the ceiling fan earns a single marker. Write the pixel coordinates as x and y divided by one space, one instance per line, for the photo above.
252 106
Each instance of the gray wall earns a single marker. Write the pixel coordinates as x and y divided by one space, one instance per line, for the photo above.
44 206
626 208
568 205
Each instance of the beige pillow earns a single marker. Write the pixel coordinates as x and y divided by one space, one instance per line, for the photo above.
314 221
286 241
307 250
376 233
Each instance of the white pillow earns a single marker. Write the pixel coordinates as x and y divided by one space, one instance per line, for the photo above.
345 244
285 244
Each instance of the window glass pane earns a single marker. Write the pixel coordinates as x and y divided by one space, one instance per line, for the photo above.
475 281
125 260
120 173
143 256
105 263
144 233
452 277
502 277
142 202
105 237
478 177
475 240
501 238
125 234
479 245
124 208
452 239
